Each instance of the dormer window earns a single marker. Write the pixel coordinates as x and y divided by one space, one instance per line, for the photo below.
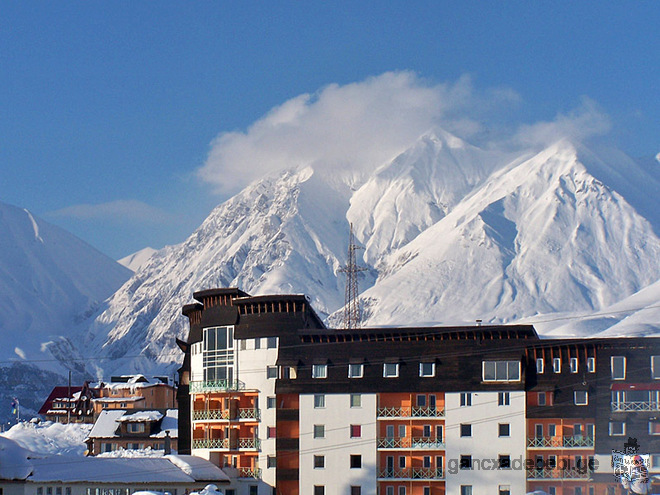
135 427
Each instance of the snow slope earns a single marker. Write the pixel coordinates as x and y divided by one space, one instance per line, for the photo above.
50 438
136 260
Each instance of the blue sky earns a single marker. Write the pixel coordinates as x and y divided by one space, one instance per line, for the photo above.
109 110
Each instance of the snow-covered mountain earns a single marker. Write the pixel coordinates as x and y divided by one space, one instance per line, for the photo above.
50 282
451 232
135 261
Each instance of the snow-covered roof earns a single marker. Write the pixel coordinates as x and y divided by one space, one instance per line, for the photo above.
17 463
106 424
108 421
118 399
141 416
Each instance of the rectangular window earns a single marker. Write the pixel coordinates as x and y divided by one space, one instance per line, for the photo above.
58 490
552 430
271 432
356 461
271 461
504 490
539 366
552 490
402 490
617 428
289 373
135 427
356 400
504 430
271 402
655 461
655 367
271 372
426 431
319 461
402 462
541 399
654 427
504 461
574 365
466 399
356 431
356 490
355 370
552 461
319 490
426 462
501 371
254 490
618 364
319 371
427 369
556 365
466 462
503 399
427 490
218 354
391 370
466 489
466 430
421 400
591 364
581 397
538 431
319 401
319 431
257 343
389 490
271 342
402 431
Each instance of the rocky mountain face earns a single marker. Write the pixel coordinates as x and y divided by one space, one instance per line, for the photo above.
451 233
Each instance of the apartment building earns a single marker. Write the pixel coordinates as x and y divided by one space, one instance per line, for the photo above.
289 406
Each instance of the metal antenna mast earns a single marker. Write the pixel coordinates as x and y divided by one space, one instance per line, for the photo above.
352 304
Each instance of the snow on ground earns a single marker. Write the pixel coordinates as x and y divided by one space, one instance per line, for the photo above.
135 453
50 438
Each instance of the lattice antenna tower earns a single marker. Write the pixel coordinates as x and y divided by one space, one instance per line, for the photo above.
352 304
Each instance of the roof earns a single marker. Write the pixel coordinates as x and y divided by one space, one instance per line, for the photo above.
57 393
17 463
107 423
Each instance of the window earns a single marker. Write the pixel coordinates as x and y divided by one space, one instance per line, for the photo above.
426 461
617 428
319 490
271 461
427 490
539 366
356 400
257 343
504 490
552 461
504 430
501 371
58 490
552 430
254 490
655 462
389 490
503 399
356 461
356 431
552 490
402 431
466 462
402 461
421 400
218 354
466 399
426 431
538 430
556 365
581 397
504 461
319 461
271 432
655 367
289 373
578 490
135 427
271 342
319 371
466 430
439 433
574 365
654 427
355 370
319 401
391 370
40 491
271 402
319 431
591 364
402 490
356 490
271 371
466 489
426 369
541 399
618 368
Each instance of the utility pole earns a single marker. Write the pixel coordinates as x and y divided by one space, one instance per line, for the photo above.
68 402
352 314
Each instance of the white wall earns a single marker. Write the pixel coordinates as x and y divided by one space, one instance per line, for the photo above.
337 446
485 415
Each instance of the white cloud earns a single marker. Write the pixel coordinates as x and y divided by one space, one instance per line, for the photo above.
357 126
586 121
123 209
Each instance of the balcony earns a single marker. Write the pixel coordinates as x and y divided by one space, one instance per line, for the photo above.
249 473
558 474
226 444
410 443
411 474
216 386
634 406
225 415
410 412
565 442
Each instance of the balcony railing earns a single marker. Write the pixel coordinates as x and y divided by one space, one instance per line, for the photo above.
216 386
249 413
635 406
224 414
249 473
410 443
225 444
411 474
410 412
565 442
559 474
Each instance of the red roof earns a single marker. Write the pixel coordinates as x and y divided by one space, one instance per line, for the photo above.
636 386
57 393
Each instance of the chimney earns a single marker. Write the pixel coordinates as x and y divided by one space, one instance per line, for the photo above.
168 443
